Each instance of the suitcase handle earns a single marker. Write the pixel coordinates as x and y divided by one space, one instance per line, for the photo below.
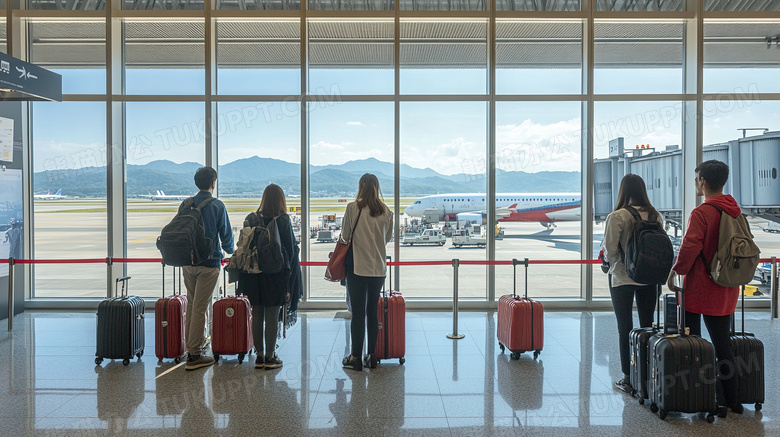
174 280
515 263
681 329
125 280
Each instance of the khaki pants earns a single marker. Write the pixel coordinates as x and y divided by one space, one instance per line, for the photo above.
200 282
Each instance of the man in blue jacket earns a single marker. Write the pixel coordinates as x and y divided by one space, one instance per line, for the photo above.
201 280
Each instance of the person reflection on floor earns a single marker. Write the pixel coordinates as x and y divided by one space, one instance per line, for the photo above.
197 418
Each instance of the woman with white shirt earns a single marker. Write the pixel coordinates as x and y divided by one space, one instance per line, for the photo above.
617 230
368 222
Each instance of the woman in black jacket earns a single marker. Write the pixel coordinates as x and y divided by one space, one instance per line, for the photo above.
268 292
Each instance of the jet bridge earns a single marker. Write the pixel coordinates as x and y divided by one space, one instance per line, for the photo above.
753 180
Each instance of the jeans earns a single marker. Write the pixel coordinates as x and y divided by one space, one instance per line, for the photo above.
364 296
719 328
622 304
200 282
271 317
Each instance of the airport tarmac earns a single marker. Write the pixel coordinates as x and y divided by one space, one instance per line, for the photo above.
77 229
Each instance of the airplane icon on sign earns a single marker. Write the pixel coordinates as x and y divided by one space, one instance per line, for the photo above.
25 74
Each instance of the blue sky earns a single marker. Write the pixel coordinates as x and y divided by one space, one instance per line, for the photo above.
446 136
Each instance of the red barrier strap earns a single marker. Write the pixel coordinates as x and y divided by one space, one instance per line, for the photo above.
314 264
556 261
420 263
138 260
62 261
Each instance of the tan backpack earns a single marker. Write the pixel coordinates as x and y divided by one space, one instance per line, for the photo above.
735 262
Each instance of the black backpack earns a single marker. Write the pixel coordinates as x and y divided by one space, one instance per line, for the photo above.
183 241
649 254
269 247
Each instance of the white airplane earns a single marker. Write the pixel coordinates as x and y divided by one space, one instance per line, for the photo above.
160 195
545 208
48 196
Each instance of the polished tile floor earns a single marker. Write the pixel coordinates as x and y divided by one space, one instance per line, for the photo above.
50 385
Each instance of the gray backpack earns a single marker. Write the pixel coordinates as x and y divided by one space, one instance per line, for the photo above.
735 262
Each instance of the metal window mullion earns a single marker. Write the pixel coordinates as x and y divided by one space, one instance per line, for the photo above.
397 144
304 109
17 36
586 186
210 110
116 204
692 123
491 152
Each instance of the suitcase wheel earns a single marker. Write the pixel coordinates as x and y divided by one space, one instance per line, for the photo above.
216 357
126 361
536 353
240 358
758 406
177 360
641 400
515 355
501 346
98 361
402 360
723 411
140 354
654 408
662 414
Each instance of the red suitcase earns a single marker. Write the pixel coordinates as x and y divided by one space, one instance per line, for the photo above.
391 340
520 320
232 326
169 316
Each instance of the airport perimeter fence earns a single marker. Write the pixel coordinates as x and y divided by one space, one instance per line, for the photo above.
454 263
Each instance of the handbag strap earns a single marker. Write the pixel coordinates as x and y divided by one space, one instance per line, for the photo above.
360 211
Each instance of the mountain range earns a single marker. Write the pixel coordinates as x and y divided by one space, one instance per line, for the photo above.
249 176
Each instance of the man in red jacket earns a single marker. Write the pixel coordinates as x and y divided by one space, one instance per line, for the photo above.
702 295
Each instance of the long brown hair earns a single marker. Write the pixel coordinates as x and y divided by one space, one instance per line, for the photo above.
633 192
273 203
370 194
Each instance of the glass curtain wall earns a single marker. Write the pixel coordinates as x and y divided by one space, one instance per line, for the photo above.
460 102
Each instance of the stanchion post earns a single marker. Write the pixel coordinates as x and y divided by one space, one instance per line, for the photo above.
10 294
455 335
774 299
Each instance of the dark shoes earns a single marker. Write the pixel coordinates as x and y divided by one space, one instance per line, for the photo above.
623 385
273 363
370 361
351 362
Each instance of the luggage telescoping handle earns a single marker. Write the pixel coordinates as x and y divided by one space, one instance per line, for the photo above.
125 286
681 329
515 263
734 315
174 280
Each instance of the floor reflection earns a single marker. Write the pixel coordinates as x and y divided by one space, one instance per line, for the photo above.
446 387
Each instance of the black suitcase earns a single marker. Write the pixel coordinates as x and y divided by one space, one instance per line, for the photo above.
749 357
637 340
120 327
682 372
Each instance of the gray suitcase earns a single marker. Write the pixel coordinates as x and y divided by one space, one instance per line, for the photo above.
120 327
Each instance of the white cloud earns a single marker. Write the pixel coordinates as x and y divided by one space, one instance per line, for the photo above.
533 147
355 123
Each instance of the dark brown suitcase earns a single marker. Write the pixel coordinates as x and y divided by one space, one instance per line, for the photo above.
120 327
749 357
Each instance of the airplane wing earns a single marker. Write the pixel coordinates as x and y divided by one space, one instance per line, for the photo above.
501 212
